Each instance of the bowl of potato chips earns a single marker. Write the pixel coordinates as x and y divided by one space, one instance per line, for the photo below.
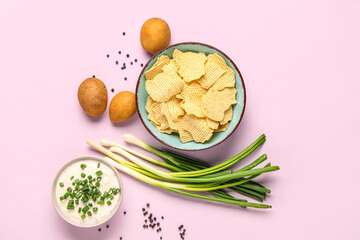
190 96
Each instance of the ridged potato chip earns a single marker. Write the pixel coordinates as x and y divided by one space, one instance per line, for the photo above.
229 94
176 54
149 109
175 126
192 87
191 65
215 103
222 128
227 116
215 57
155 116
192 104
213 72
164 86
157 67
175 109
185 136
226 80
212 124
159 118
166 130
171 66
197 127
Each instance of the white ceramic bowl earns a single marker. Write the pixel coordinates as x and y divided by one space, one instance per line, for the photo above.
72 220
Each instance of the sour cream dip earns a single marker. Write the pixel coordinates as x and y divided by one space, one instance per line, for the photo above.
79 170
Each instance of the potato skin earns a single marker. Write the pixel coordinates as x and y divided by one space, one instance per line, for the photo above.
92 96
122 107
155 35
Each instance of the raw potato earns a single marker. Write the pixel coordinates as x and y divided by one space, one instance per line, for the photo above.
122 107
155 35
92 96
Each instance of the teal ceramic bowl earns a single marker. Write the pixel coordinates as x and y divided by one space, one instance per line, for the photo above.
173 140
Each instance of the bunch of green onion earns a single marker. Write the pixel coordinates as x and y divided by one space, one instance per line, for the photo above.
187 175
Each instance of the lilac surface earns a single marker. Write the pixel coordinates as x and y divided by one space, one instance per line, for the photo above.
301 65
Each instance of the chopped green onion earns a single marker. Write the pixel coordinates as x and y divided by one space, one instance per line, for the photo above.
95 209
72 177
90 204
69 189
98 179
89 213
77 201
83 175
61 184
83 166
67 194
89 177
83 216
85 209
84 199
98 166
108 203
101 202
97 184
62 198
111 197
99 173
79 211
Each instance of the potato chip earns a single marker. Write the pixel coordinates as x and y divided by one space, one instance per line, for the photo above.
213 72
148 107
191 65
215 103
175 126
185 136
176 54
229 94
171 66
197 127
159 118
212 124
222 128
192 104
179 96
226 80
164 86
215 57
155 116
166 130
192 87
157 67
175 109
227 116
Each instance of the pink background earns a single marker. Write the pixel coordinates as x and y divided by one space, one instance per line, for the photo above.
301 64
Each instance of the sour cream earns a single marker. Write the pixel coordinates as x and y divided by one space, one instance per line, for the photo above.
109 179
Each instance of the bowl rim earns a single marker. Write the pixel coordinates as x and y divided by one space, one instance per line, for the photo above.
81 158
189 43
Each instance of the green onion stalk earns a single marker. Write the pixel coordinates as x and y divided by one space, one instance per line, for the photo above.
179 160
187 176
